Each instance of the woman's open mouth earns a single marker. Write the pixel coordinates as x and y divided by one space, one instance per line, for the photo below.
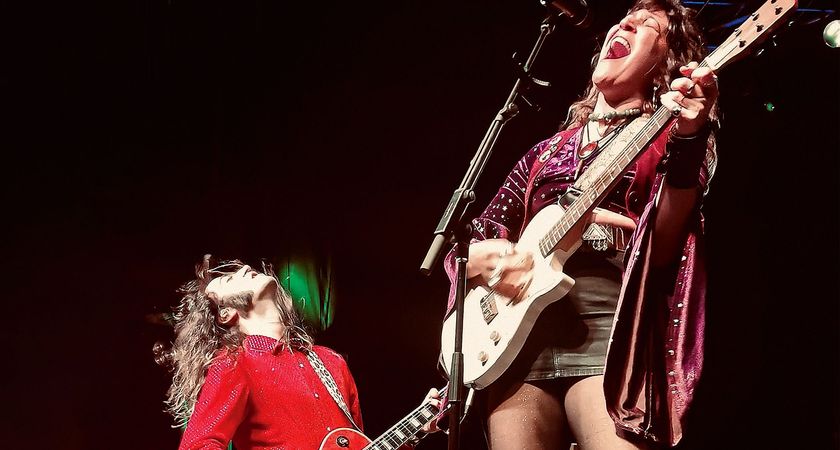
619 48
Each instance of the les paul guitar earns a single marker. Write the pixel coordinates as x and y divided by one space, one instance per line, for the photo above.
394 438
495 328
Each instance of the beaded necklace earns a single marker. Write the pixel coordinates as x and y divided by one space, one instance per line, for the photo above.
613 115
591 146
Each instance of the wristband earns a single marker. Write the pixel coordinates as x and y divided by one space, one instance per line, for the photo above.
685 156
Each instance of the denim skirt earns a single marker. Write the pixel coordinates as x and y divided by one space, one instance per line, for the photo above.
571 335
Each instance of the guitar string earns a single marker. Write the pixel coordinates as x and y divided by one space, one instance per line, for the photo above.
403 426
729 46
599 181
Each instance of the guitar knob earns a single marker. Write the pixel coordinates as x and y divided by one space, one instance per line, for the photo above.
342 442
483 357
495 336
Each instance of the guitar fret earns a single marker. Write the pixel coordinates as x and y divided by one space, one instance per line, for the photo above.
603 182
714 52
404 429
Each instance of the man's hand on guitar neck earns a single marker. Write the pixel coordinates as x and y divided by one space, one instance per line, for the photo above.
432 397
497 264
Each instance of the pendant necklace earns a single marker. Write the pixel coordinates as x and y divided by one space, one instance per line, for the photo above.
592 146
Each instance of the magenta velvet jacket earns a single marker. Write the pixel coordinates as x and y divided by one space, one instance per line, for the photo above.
655 356
656 352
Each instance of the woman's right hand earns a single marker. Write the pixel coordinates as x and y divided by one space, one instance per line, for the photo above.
499 265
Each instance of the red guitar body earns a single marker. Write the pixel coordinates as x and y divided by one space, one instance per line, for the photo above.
344 439
395 437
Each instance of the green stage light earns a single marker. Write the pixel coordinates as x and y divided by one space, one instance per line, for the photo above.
311 286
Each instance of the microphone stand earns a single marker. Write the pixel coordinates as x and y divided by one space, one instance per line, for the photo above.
453 228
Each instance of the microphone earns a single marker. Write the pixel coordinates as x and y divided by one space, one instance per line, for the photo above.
577 11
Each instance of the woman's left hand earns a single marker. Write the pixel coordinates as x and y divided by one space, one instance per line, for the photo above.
693 94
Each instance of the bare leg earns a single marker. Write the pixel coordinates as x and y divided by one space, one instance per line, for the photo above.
587 416
526 416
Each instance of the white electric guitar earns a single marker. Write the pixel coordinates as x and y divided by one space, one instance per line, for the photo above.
495 328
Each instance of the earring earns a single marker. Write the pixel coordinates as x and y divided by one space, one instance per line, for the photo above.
655 100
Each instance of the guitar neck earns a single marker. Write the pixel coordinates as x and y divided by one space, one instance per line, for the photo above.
405 429
607 179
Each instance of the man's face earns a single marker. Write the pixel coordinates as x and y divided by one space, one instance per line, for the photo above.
245 281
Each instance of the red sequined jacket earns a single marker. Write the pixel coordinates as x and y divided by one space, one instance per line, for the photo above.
267 397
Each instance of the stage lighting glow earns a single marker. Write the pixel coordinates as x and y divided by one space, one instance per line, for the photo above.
831 33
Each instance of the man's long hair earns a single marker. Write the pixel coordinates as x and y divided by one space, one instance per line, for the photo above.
685 43
200 337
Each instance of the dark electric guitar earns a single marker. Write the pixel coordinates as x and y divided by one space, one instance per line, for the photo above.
495 327
394 438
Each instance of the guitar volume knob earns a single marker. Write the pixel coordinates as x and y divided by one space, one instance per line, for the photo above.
495 336
483 357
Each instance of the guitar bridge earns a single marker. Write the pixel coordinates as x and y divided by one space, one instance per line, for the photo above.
488 307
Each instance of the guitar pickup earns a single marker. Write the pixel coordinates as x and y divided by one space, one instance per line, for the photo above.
488 307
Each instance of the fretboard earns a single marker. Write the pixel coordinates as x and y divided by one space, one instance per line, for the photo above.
400 433
590 197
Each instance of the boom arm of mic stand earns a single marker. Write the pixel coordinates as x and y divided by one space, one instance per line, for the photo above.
464 194
452 225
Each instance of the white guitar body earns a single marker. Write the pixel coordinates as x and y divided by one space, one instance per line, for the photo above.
496 329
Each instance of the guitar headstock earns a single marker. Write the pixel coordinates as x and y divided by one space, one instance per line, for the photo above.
757 28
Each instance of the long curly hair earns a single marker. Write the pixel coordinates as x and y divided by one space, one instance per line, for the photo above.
200 337
685 43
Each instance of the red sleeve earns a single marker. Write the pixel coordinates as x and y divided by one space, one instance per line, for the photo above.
353 397
338 368
220 407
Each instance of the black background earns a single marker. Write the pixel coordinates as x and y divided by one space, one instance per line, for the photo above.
143 134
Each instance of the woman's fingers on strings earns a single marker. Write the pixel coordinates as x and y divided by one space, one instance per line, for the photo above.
696 81
683 85
688 68
671 100
706 82
688 106
703 76
690 110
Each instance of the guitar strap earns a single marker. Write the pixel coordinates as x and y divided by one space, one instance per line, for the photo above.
329 383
